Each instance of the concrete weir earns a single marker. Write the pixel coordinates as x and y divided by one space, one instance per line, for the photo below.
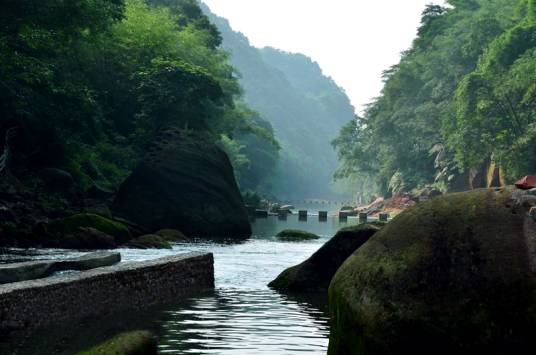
98 292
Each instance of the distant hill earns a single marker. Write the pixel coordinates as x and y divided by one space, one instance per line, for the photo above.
306 109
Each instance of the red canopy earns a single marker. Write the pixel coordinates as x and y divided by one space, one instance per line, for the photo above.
528 182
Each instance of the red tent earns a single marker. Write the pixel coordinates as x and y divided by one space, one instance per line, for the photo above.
528 182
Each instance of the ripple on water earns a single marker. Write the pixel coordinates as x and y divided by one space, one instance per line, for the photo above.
243 316
244 322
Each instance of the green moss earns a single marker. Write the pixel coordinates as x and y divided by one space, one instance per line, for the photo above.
343 339
149 241
71 225
296 235
172 235
464 252
284 279
131 343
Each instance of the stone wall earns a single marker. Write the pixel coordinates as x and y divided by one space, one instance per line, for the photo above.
127 286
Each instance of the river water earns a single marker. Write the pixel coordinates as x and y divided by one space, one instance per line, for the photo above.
242 315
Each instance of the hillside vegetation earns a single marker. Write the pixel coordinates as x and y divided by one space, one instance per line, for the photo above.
459 110
305 108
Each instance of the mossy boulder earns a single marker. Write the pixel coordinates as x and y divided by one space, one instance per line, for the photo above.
149 241
454 275
172 235
315 273
73 224
130 343
185 182
296 235
87 238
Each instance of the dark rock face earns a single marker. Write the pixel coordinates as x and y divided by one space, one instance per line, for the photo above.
185 183
57 179
315 273
454 275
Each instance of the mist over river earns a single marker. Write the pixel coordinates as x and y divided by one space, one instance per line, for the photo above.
241 316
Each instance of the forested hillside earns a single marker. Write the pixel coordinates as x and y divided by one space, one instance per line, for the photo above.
305 108
459 110
86 86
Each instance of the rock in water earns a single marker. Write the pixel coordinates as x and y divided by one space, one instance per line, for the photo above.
454 275
296 235
130 343
186 183
315 273
149 241
82 230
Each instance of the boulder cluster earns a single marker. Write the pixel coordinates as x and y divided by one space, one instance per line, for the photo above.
452 275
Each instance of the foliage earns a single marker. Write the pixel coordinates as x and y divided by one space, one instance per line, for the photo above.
303 106
92 82
461 96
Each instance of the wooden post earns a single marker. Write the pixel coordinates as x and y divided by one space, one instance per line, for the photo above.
323 215
384 217
363 217
343 216
302 215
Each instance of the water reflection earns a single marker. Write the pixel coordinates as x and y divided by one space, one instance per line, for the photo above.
244 322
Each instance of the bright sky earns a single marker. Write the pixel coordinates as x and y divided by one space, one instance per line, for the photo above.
354 41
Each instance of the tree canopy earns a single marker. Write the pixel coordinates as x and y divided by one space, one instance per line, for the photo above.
92 82
461 99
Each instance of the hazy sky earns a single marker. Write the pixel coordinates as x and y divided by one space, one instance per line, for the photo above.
352 40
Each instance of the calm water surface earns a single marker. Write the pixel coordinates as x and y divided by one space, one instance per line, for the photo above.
242 315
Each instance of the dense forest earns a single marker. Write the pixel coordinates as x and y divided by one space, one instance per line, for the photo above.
459 110
305 108
85 86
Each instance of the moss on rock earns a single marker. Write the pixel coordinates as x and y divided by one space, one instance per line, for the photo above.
172 235
130 343
449 276
87 238
296 235
149 241
71 225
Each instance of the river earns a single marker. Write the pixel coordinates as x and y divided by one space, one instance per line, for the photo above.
241 316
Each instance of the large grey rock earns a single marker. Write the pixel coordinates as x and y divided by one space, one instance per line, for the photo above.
32 270
186 183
